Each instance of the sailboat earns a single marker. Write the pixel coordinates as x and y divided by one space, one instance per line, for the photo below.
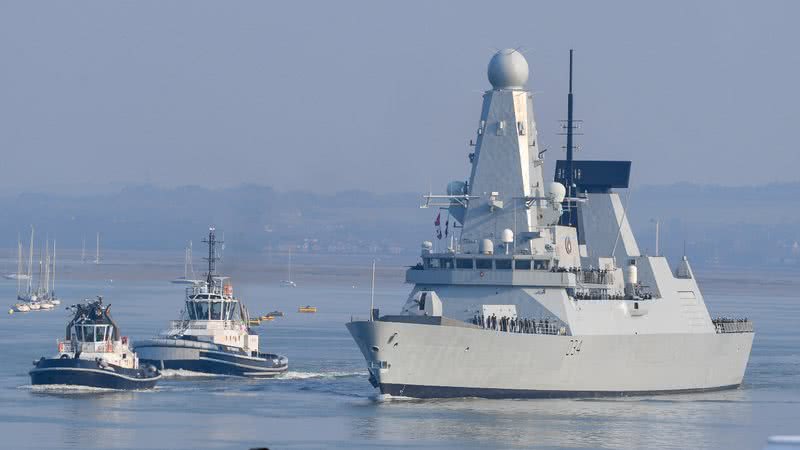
42 297
288 281
97 250
188 269
19 275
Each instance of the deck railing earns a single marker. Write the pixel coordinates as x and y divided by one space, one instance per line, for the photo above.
725 325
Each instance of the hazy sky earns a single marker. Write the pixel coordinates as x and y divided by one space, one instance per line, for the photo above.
385 96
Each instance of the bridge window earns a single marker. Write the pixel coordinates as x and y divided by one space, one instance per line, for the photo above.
483 264
422 301
446 263
432 263
464 263
502 264
522 264
541 264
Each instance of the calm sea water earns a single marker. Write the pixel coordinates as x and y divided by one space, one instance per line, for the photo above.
326 401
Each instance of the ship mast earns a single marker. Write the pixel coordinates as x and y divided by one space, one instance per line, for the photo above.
568 178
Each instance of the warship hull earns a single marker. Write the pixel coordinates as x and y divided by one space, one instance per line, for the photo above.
436 361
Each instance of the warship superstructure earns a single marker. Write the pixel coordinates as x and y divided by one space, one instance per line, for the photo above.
541 290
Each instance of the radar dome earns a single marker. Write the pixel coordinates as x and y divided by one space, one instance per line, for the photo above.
508 69
507 236
486 247
558 192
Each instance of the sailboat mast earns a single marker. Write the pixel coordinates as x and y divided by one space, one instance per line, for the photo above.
97 250
46 265
19 262
30 264
186 263
83 250
53 290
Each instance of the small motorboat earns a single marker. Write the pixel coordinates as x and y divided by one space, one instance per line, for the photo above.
254 322
93 354
267 318
275 313
307 309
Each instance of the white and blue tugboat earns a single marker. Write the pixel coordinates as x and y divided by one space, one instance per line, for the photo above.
213 334
93 354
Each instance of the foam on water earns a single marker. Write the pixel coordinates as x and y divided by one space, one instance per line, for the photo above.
291 375
386 398
64 388
182 373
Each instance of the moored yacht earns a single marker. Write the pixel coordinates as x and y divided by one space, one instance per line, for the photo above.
213 335
93 354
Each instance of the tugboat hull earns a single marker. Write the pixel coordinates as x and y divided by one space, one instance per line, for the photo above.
77 372
178 354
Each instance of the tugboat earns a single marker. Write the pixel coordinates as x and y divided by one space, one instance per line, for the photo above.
213 334
93 354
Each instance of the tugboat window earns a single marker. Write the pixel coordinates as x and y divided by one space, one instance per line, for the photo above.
202 310
79 333
100 334
216 310
88 333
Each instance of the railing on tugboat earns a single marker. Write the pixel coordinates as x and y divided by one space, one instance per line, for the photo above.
206 324
65 346
728 325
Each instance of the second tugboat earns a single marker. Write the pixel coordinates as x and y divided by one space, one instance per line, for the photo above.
213 335
94 355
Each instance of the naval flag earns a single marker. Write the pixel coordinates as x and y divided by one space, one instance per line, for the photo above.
438 224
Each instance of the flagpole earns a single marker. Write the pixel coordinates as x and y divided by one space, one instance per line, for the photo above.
372 293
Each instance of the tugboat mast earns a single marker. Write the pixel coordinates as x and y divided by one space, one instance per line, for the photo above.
212 254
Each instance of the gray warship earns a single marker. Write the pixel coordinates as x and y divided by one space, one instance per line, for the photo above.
541 289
